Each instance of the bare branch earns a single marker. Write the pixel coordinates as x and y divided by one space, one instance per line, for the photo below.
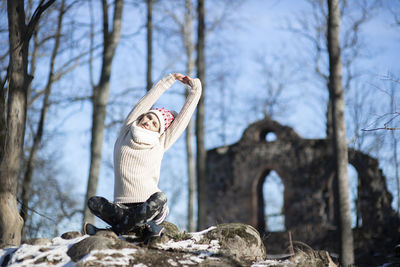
382 128
3 57
91 39
72 99
393 115
63 70
3 83
36 16
38 213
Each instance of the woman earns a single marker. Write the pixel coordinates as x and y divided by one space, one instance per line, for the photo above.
145 136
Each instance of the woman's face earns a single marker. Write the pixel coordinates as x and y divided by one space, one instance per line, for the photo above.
150 122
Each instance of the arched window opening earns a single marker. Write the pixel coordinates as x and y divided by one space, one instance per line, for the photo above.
356 220
273 203
270 137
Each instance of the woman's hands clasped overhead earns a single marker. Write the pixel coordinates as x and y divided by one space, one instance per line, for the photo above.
182 78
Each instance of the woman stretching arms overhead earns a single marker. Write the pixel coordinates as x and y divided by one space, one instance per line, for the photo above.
138 151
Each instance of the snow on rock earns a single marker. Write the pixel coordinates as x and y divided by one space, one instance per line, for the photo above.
110 257
192 244
206 248
53 253
271 263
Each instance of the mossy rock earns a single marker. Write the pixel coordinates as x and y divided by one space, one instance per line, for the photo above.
170 228
172 232
240 241
311 257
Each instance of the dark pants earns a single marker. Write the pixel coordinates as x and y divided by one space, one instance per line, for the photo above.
125 217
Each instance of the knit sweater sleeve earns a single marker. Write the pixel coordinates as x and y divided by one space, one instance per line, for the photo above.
148 100
182 120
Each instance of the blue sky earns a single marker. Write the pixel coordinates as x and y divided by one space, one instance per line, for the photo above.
259 31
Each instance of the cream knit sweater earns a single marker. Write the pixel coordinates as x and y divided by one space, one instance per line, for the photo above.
137 166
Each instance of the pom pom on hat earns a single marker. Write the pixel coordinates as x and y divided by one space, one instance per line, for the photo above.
165 117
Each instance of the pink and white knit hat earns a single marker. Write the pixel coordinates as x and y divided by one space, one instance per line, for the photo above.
165 117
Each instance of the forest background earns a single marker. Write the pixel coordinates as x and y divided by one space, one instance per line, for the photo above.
263 58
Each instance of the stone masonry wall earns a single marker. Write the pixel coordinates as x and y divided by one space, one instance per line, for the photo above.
236 174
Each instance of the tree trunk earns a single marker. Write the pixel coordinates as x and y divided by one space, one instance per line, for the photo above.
10 220
191 175
329 126
189 47
100 100
149 78
200 144
3 113
15 114
336 95
34 57
395 144
26 185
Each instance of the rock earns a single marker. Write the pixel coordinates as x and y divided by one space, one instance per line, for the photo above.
232 244
313 258
152 257
242 242
224 245
172 232
80 249
38 241
102 240
71 235
107 234
171 229
239 244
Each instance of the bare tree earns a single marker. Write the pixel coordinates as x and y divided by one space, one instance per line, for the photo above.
187 33
275 75
313 29
55 205
26 184
100 98
50 43
201 159
393 109
394 9
149 27
15 113
354 16
389 122
183 18
336 95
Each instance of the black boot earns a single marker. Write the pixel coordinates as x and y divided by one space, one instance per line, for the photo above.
109 212
152 232
148 210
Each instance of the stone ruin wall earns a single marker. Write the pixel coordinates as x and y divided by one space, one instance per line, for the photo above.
236 175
